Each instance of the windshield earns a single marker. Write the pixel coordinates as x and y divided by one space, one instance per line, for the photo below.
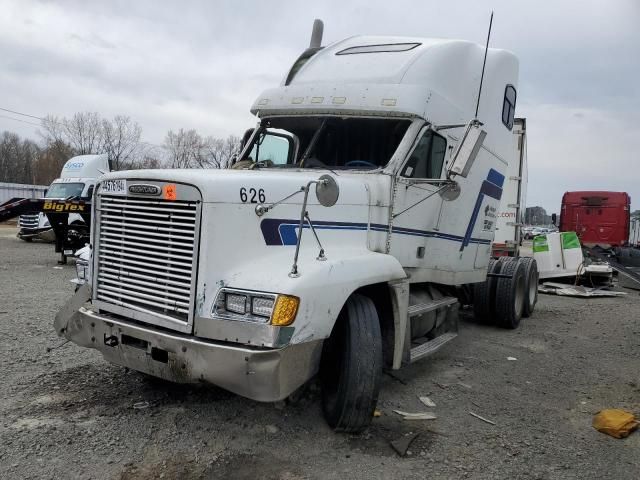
325 142
65 190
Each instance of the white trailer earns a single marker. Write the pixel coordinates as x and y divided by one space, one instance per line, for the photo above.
354 223
13 190
634 232
510 216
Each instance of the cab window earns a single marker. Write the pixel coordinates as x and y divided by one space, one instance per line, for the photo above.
427 158
271 148
509 106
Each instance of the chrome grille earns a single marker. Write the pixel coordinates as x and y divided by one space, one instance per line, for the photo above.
146 250
30 220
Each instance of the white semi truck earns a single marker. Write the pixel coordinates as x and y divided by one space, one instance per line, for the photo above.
77 180
357 219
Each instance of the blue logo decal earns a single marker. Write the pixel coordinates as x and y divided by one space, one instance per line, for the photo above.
491 187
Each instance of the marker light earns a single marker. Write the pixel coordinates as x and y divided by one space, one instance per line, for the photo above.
285 310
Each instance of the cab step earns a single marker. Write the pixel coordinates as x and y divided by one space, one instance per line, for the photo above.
420 308
429 347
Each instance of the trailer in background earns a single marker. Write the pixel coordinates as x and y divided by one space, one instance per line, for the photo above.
600 218
510 217
634 232
16 190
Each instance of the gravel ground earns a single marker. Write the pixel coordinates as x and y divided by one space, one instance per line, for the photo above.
66 413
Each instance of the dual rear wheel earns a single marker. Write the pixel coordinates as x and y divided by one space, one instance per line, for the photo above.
509 293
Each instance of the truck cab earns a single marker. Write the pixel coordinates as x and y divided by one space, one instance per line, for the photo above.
77 180
341 242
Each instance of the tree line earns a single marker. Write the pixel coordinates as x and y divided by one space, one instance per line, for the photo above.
24 160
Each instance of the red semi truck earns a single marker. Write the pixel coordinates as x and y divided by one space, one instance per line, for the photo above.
599 218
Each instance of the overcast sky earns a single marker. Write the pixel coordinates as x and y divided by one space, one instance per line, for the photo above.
172 65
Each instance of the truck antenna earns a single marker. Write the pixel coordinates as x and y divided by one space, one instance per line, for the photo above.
484 62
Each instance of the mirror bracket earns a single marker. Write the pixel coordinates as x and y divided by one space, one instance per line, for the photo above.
327 192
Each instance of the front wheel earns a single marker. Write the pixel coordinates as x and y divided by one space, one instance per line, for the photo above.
351 367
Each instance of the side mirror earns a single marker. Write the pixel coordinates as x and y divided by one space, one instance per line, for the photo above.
467 150
327 191
554 219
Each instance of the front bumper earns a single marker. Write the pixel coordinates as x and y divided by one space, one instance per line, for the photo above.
265 375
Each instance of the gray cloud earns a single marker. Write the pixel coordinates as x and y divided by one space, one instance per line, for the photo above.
201 64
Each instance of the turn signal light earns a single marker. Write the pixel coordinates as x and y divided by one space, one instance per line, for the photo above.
285 310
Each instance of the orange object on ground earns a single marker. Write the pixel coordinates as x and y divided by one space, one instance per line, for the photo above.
615 422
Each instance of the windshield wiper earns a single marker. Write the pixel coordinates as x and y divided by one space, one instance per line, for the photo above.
313 142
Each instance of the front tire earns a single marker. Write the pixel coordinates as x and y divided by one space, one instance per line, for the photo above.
351 367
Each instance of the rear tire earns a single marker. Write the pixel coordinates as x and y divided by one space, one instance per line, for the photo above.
510 293
531 285
484 294
351 367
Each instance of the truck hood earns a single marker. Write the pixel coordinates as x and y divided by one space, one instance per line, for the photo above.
268 186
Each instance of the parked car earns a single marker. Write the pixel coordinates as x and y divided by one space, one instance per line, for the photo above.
533 231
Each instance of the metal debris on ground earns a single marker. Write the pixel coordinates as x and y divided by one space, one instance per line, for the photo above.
377 413
402 444
416 416
512 359
482 418
426 401
563 289
143 405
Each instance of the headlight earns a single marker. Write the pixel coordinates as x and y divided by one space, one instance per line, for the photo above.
259 307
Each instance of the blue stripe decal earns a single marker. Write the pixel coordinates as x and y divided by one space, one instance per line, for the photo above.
491 187
495 177
278 231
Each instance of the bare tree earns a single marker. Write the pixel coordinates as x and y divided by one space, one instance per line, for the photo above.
84 133
17 158
184 149
121 141
218 152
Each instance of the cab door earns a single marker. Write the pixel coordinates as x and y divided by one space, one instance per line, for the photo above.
417 202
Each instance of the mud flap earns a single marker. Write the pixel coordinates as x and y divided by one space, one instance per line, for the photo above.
65 314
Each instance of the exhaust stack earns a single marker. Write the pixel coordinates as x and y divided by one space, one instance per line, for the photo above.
316 34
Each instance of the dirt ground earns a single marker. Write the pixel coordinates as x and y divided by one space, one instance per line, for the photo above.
66 413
